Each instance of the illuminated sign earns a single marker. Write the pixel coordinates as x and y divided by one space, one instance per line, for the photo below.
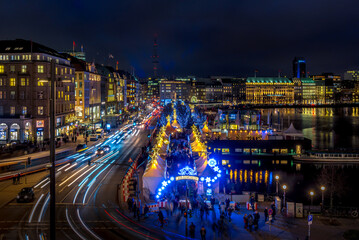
187 171
40 123
179 178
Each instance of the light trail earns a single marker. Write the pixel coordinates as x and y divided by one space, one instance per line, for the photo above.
81 175
40 182
43 207
80 187
92 233
72 226
33 210
45 184
73 165
74 174
63 167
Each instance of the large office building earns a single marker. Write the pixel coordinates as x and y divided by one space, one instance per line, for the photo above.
25 75
299 67
175 90
269 90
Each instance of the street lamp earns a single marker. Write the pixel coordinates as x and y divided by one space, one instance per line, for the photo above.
311 193
284 188
323 189
276 183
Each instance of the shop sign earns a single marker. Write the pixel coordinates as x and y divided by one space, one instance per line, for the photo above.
40 123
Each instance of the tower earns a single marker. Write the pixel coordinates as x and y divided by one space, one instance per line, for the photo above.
299 67
155 57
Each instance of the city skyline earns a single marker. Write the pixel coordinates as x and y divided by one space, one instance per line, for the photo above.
195 38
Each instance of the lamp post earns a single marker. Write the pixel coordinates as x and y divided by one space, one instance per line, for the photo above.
276 184
284 188
52 153
311 193
323 189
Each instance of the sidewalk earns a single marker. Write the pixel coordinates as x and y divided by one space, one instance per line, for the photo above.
9 191
282 227
65 147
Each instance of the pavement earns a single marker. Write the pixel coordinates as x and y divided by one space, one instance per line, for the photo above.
63 148
281 228
9 191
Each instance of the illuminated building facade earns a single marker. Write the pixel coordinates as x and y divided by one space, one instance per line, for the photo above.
268 90
25 73
153 89
175 90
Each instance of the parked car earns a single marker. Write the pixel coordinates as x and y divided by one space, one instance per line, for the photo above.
81 147
93 137
25 195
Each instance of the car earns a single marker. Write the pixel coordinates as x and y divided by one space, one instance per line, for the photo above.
81 147
93 137
25 195
99 132
102 150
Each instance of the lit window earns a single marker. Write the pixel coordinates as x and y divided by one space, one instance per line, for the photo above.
24 110
23 68
12 82
0 94
12 68
23 82
12 95
2 69
40 110
1 82
40 69
12 110
40 83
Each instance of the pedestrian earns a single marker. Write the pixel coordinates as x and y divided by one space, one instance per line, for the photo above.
192 230
256 220
213 201
203 233
138 214
245 220
171 207
18 178
222 207
160 218
250 222
146 209
230 210
266 215
227 203
274 210
252 201
201 211
214 228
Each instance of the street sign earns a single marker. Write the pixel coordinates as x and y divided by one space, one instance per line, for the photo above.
270 211
310 219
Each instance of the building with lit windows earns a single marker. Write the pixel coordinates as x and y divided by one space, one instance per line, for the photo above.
198 91
352 75
328 87
25 73
174 90
299 67
304 91
269 90
214 91
87 92
153 88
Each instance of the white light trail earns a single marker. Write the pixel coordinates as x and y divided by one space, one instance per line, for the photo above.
72 226
41 182
33 209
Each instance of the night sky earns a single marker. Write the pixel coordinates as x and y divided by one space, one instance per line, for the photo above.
195 37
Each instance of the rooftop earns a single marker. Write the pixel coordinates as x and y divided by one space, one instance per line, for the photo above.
268 80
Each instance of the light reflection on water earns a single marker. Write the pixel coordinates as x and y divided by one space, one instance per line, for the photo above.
328 128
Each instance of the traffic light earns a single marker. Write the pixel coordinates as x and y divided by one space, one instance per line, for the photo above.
185 214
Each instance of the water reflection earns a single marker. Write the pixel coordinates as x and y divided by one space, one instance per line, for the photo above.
328 128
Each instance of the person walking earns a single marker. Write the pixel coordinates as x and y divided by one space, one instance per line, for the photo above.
245 220
252 201
192 230
203 233
266 215
250 222
18 178
256 220
160 218
274 210
230 210
213 201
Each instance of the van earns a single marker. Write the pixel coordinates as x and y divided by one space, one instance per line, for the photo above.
93 137
100 132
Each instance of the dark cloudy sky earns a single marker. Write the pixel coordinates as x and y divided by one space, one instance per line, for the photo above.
195 37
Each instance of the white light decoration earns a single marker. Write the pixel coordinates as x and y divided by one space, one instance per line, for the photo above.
212 162
187 171
202 179
208 179
216 168
172 178
169 181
